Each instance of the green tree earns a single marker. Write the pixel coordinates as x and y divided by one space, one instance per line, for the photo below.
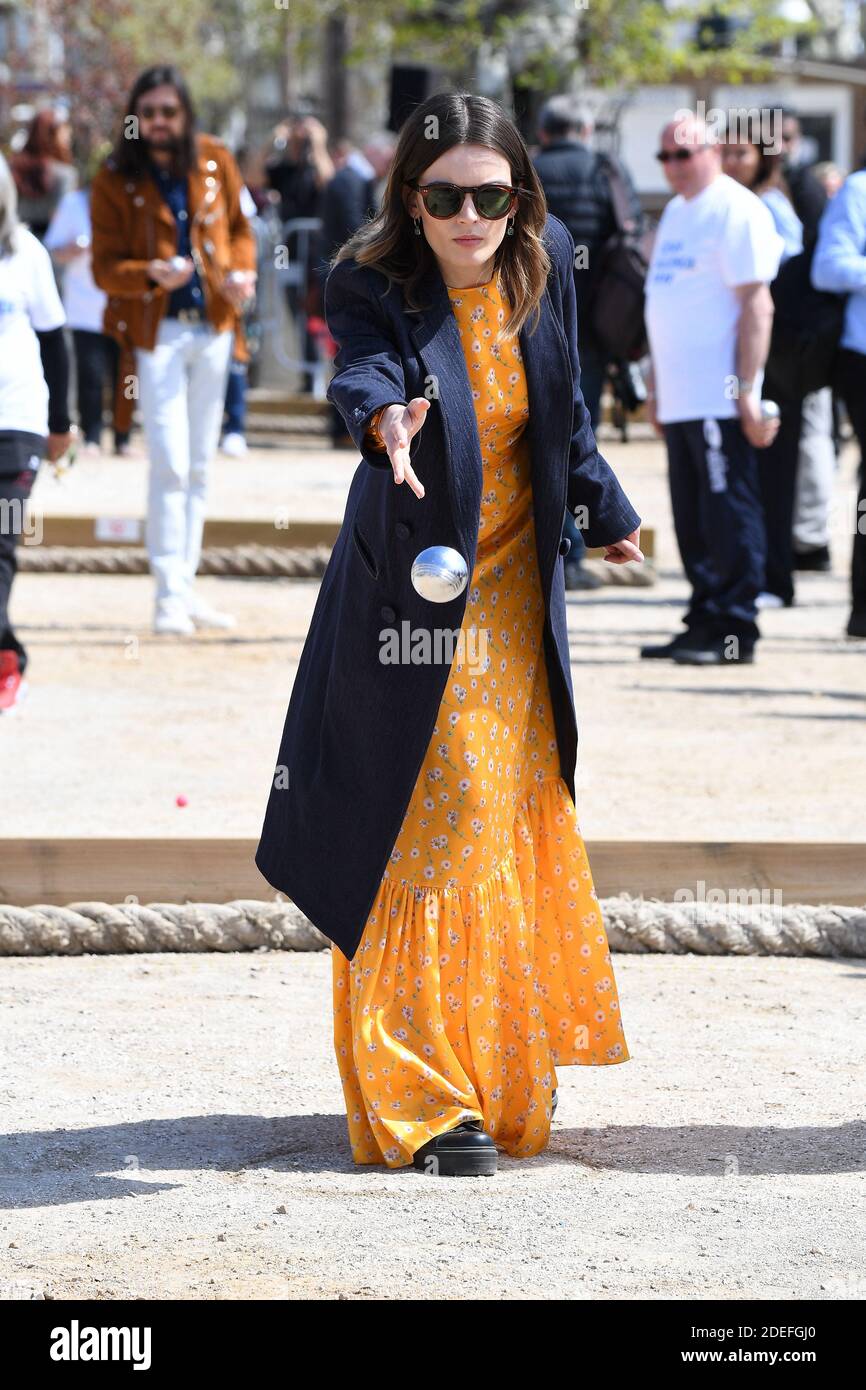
607 43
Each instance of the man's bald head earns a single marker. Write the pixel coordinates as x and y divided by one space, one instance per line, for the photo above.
688 128
690 153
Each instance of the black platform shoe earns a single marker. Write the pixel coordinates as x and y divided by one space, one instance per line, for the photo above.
463 1152
664 651
818 559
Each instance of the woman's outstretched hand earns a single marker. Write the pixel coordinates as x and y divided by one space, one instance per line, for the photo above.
625 550
397 425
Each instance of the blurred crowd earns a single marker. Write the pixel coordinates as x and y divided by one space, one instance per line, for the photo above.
170 257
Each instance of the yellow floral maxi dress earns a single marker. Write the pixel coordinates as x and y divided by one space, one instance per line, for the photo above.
484 962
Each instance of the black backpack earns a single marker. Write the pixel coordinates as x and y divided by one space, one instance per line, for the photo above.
807 326
616 297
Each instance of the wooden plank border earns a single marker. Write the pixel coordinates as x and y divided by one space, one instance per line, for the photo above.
263 401
81 531
154 869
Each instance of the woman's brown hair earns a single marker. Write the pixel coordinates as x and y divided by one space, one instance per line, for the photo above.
32 165
388 242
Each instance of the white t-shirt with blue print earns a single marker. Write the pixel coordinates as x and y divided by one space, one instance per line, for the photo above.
704 248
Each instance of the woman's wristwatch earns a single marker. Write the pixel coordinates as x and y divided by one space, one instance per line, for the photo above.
372 433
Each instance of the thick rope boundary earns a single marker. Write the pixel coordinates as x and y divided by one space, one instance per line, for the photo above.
634 925
295 562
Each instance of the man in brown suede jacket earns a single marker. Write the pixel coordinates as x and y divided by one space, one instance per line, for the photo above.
177 258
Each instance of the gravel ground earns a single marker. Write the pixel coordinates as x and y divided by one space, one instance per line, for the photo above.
770 751
176 1129
174 1124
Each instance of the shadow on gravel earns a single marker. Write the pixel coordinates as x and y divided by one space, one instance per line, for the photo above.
115 1161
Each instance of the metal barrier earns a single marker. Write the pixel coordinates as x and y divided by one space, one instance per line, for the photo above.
282 290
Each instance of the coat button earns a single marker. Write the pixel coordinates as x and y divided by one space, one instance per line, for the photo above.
564 545
402 530
388 614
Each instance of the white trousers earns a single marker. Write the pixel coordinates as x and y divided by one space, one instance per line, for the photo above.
182 388
816 473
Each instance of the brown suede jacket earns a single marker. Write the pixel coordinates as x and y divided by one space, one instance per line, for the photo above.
133 225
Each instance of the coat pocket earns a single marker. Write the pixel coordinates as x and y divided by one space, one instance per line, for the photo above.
364 550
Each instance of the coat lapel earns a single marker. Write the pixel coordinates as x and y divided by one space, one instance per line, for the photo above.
156 204
550 391
550 387
147 189
437 338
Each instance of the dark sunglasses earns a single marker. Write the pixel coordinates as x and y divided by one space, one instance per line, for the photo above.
492 200
167 112
664 155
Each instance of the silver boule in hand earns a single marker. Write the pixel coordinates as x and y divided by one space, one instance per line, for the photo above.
439 573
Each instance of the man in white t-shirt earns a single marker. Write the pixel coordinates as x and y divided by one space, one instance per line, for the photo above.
709 314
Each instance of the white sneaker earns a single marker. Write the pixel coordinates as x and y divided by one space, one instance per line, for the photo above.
234 445
766 600
171 617
202 615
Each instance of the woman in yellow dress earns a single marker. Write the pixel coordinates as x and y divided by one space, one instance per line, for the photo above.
484 963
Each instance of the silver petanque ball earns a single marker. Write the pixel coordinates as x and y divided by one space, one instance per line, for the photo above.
769 410
439 573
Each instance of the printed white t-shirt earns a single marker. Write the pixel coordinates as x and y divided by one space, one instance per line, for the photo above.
704 247
29 303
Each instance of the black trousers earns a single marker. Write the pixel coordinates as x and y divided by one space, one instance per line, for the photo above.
851 383
96 362
296 298
777 473
20 456
719 524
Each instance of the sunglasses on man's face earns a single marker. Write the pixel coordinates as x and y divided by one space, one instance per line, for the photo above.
491 200
680 155
168 112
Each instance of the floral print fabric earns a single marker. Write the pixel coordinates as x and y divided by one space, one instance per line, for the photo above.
484 962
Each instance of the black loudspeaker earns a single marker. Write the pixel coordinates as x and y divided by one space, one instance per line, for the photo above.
410 85
715 30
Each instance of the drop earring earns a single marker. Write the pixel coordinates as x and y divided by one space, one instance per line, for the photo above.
510 231
417 221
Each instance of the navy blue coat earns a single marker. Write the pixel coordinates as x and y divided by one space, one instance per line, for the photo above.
357 730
